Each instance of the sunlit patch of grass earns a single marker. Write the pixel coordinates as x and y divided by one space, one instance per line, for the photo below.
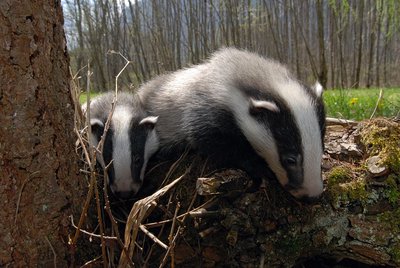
359 104
83 96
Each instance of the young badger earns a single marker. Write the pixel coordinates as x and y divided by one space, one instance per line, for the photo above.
129 143
245 111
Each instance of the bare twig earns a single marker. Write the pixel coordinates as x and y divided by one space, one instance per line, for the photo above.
175 165
152 237
164 261
377 103
110 238
160 232
100 221
338 121
127 62
171 238
110 215
91 263
90 157
140 210
195 213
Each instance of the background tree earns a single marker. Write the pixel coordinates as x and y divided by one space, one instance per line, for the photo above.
349 43
40 185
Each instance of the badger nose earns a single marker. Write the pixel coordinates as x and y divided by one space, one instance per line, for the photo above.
124 194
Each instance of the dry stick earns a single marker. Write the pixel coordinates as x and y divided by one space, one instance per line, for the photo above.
139 212
91 159
100 220
110 238
88 157
193 212
54 252
159 233
92 169
100 149
169 249
153 237
377 103
170 238
172 242
338 121
175 165
91 263
109 212
123 68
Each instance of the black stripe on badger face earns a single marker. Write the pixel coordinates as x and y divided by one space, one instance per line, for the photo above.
280 121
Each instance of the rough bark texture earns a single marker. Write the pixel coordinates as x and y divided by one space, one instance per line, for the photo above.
38 168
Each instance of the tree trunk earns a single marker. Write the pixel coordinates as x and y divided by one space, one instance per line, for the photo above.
360 44
40 186
323 68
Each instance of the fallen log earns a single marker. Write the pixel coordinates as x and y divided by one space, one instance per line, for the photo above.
219 220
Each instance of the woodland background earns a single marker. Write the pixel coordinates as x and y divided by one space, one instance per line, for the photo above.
342 43
43 188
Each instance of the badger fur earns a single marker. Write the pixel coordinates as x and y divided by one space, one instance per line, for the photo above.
246 109
129 142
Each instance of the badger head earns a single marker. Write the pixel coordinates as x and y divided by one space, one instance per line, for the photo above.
287 128
129 143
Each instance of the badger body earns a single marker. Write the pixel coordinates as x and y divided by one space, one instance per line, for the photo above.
129 143
243 109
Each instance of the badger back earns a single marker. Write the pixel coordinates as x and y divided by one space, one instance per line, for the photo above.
129 142
284 120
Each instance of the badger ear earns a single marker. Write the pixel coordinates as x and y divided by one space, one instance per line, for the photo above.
318 89
256 106
149 121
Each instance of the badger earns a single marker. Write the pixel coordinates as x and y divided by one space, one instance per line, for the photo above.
247 111
129 142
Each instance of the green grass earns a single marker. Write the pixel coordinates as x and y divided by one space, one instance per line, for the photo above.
83 97
359 104
355 104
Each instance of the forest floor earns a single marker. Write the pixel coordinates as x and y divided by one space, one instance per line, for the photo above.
219 220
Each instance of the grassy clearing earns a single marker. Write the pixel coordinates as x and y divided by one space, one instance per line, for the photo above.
359 104
355 104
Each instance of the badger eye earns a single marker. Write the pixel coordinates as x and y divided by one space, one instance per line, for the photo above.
290 161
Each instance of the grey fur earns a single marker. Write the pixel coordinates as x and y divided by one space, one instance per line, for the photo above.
215 99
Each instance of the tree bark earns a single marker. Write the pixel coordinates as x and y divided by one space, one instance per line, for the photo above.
323 68
40 186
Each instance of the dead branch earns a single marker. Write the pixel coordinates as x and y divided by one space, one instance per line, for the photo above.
377 103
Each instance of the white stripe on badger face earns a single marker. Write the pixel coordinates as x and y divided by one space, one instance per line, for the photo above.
305 115
121 121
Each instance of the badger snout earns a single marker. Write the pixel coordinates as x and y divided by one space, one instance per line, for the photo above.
125 189
307 194
124 194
